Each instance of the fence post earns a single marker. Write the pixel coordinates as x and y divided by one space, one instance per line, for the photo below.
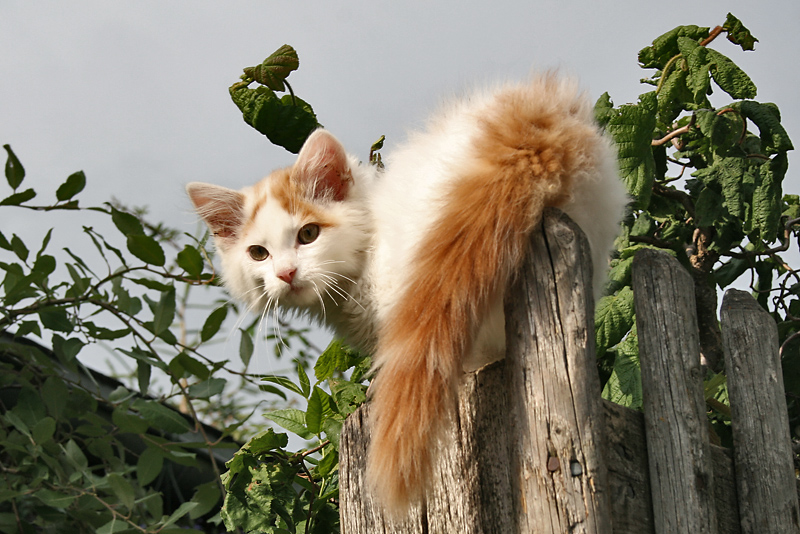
762 442
559 474
525 451
679 450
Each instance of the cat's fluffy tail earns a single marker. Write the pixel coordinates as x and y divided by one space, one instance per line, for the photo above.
533 143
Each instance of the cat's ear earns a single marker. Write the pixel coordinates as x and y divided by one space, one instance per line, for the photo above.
322 168
221 208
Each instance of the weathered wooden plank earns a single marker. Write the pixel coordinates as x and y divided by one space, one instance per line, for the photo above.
559 474
761 437
629 478
681 473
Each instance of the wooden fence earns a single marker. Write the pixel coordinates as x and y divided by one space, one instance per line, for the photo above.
536 450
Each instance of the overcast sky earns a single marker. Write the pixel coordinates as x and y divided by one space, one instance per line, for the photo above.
135 93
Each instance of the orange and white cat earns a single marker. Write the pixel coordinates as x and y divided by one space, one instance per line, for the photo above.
411 264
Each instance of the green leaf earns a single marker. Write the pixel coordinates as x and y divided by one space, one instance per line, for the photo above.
603 110
624 387
128 422
766 117
182 510
207 496
74 185
284 382
76 456
185 363
286 121
15 172
767 203
126 223
292 420
304 382
43 430
146 249
143 373
213 323
729 272
632 129
613 319
55 499
314 412
336 357
149 465
730 77
738 34
207 388
190 260
245 347
161 417
164 314
122 489
665 47
19 248
274 70
18 198
55 319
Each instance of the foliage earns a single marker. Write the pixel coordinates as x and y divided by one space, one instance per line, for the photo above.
707 188
286 121
82 452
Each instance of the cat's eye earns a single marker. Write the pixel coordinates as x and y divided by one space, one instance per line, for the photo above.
308 234
257 252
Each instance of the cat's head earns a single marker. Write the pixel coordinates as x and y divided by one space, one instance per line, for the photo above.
297 238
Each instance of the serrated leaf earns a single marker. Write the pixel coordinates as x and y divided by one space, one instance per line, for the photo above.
146 249
729 272
314 412
74 185
292 420
774 138
624 387
207 388
286 121
336 357
614 318
15 172
161 417
767 197
213 323
149 465
274 70
632 130
730 77
190 260
303 381
665 47
738 34
245 347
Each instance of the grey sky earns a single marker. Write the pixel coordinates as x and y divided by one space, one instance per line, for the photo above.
135 93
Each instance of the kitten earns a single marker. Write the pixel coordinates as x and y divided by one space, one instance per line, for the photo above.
411 264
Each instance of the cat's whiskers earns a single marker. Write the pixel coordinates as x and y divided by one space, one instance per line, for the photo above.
335 284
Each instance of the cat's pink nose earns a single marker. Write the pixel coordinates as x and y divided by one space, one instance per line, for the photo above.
287 275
